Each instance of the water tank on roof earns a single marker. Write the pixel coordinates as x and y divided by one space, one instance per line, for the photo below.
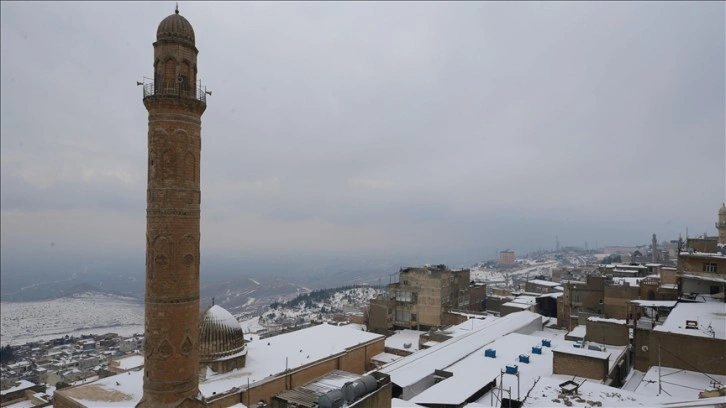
537 350
547 343
331 399
490 353
511 369
354 390
524 358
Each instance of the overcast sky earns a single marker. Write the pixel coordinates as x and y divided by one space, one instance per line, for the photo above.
438 131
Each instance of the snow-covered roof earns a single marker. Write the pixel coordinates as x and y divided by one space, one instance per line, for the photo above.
402 338
121 390
544 282
475 371
468 326
677 383
546 393
655 303
604 320
412 369
578 332
710 317
221 316
297 349
129 362
20 385
289 350
583 351
385 358
516 305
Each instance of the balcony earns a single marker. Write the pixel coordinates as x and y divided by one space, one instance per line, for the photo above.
159 88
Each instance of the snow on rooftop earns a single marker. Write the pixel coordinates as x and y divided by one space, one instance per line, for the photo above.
677 383
578 332
522 306
544 283
468 326
402 338
475 371
546 393
121 390
221 316
19 385
289 350
583 351
710 318
297 348
129 362
409 370
385 358
604 320
655 303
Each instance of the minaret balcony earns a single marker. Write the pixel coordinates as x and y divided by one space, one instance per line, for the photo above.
160 89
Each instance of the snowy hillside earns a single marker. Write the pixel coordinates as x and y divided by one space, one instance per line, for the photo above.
83 313
321 305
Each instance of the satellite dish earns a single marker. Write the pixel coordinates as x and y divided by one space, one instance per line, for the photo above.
644 348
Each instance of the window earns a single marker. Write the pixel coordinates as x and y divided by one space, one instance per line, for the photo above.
710 267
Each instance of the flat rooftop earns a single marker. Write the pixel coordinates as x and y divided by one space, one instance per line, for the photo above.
710 318
265 358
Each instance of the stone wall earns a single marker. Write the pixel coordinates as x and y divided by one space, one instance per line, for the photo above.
581 366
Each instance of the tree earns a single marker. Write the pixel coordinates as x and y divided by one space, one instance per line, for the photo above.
6 354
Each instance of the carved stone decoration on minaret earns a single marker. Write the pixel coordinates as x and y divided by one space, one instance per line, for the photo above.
175 104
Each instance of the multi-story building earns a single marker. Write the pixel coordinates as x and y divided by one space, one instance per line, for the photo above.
422 297
702 264
506 257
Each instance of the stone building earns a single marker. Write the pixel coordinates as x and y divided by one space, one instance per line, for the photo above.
422 298
702 264
506 258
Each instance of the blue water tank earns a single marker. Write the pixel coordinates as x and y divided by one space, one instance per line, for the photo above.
524 358
490 353
537 350
512 369
547 343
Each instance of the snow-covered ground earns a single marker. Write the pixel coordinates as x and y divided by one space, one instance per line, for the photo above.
85 313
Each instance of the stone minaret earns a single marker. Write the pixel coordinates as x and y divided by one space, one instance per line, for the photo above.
175 103
721 225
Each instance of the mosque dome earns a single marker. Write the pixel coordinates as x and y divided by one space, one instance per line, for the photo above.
175 28
220 335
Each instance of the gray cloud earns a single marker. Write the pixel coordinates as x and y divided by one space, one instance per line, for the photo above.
442 129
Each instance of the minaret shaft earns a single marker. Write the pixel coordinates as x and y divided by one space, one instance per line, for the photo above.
171 338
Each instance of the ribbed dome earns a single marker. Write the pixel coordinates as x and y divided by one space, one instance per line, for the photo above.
175 28
220 335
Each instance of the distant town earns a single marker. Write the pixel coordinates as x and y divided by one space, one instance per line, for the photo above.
568 325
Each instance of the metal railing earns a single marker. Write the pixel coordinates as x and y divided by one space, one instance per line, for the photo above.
197 92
